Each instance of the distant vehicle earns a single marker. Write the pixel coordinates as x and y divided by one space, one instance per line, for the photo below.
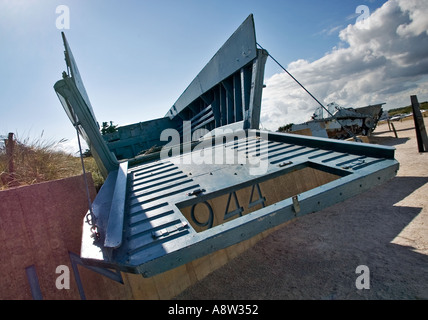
400 116
342 123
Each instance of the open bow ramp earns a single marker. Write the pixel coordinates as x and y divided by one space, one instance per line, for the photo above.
192 196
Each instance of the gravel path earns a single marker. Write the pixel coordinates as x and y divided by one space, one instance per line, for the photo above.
316 256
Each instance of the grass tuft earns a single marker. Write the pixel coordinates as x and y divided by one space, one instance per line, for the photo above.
41 160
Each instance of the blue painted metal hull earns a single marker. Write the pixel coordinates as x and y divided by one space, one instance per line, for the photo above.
158 237
161 210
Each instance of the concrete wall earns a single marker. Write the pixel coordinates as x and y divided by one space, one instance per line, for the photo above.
39 226
40 230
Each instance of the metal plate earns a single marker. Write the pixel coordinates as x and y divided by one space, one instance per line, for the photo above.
238 51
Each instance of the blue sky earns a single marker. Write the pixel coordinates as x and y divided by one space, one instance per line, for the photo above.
137 57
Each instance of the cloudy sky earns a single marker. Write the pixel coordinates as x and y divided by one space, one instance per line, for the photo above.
137 56
381 59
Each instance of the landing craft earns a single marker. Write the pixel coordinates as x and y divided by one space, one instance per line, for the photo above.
156 212
341 123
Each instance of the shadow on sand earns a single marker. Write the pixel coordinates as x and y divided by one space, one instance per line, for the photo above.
316 256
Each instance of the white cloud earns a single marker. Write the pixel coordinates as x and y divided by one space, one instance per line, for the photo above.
384 62
417 13
72 146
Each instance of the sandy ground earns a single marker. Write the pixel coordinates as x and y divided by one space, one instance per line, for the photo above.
316 256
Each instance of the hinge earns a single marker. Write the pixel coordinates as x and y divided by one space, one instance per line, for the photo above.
167 231
296 205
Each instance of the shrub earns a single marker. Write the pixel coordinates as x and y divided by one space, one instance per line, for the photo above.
41 160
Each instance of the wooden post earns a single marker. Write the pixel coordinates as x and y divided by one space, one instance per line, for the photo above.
11 181
421 133
393 128
9 153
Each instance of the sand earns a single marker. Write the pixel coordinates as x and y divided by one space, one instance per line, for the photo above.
316 256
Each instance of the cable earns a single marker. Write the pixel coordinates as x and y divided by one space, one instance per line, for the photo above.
313 97
90 217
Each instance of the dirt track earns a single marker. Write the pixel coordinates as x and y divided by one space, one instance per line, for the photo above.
316 256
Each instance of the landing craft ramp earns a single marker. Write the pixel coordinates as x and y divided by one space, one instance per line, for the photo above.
193 196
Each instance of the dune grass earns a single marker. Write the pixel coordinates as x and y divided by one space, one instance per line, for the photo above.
41 160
